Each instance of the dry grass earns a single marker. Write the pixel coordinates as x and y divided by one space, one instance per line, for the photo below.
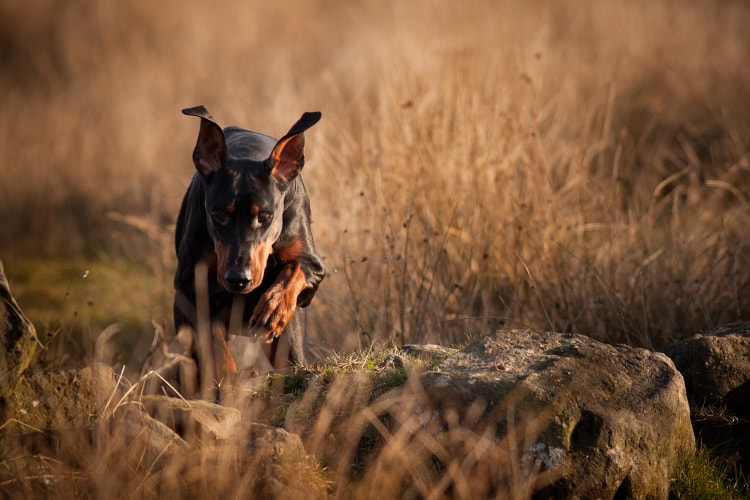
580 166
576 166
364 437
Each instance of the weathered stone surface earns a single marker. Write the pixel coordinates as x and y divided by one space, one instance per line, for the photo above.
716 368
218 421
264 462
283 468
145 441
609 421
273 440
428 352
713 363
17 335
53 400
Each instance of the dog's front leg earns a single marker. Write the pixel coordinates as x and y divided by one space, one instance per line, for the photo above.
277 305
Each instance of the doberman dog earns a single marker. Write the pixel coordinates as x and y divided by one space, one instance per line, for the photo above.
246 220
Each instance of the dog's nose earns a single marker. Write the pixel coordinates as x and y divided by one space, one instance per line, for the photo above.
237 279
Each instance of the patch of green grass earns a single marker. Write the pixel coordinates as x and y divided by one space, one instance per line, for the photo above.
71 301
704 477
389 379
387 369
374 373
106 290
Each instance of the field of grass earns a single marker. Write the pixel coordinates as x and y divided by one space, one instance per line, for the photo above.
576 166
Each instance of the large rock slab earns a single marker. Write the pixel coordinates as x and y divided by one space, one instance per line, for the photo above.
608 422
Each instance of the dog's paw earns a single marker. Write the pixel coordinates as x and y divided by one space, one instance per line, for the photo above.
277 305
271 315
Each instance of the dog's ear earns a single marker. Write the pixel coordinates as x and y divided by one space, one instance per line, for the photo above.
211 147
288 156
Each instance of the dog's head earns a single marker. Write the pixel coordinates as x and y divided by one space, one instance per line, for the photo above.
244 198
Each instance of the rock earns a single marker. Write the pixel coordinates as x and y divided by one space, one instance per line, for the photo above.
282 467
278 442
18 338
144 441
268 462
428 352
218 421
713 363
737 401
50 413
277 458
596 421
53 400
716 368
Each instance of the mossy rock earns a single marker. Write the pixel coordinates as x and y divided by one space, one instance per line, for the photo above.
52 400
18 338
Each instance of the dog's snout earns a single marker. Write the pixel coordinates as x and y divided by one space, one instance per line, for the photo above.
237 279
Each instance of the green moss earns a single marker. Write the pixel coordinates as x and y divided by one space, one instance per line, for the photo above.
387 380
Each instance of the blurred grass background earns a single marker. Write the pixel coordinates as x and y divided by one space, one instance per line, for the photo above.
576 166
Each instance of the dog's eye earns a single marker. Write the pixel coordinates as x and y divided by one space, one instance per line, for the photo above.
265 217
220 217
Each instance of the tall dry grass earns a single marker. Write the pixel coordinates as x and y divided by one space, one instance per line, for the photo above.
574 166
361 440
